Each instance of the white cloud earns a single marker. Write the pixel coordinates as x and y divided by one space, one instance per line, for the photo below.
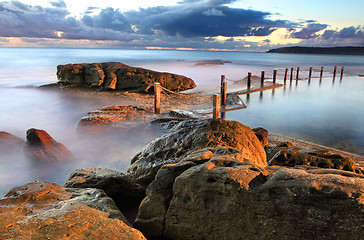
213 12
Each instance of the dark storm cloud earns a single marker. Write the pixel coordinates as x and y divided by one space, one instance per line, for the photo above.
194 19
345 33
309 31
190 24
90 10
342 37
108 19
21 20
351 32
18 6
59 4
349 36
187 19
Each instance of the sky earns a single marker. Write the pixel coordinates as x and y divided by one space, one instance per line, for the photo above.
219 25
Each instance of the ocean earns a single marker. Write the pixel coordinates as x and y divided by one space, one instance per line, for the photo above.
328 112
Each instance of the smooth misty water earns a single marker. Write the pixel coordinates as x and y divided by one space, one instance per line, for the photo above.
330 113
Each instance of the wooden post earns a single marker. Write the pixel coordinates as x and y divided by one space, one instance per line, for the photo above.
274 76
222 79
291 77
321 73
298 72
310 74
285 75
249 80
216 107
157 98
342 73
262 79
334 74
223 98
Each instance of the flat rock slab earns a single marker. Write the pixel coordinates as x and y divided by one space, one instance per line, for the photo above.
124 118
118 76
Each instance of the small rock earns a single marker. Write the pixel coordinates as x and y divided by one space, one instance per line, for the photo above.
41 147
262 135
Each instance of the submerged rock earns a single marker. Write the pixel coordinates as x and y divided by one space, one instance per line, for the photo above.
41 147
118 76
9 142
42 210
187 136
126 193
121 118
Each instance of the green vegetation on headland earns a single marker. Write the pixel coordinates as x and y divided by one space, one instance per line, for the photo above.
320 50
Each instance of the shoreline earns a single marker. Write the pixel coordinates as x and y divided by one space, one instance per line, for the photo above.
168 104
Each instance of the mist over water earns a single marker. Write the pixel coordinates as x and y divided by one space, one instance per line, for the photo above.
326 113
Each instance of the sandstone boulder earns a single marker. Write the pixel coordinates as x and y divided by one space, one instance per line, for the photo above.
225 199
153 209
41 147
187 136
118 76
9 142
126 193
42 210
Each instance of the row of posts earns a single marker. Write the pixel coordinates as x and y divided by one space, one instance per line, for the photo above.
220 99
262 76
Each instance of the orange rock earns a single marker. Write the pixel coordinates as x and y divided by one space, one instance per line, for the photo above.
42 210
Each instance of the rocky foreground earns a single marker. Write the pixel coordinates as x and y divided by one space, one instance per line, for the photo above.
118 76
201 179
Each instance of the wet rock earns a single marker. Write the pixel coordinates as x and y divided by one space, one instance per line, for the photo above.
118 76
262 135
187 136
272 150
126 193
41 147
211 62
311 157
42 210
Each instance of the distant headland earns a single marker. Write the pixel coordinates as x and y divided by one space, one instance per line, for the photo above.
320 50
